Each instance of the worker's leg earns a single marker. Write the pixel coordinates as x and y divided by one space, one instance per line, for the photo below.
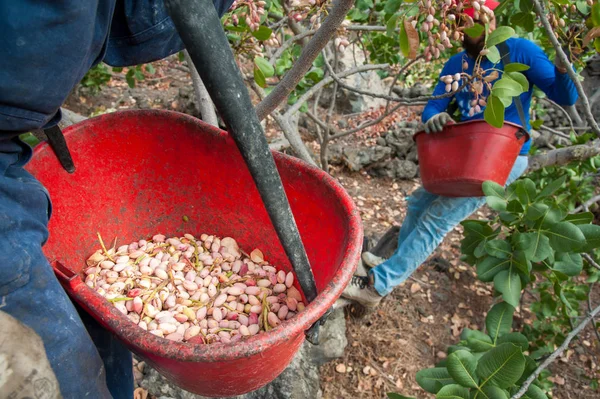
439 218
29 290
418 202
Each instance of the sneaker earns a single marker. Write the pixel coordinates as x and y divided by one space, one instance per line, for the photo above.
360 290
362 269
371 260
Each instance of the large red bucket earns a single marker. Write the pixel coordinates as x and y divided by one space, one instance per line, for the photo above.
139 173
456 161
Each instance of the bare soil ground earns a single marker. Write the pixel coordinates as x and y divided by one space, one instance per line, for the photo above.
413 326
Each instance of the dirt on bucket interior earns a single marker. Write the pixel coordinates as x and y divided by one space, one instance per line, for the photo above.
413 326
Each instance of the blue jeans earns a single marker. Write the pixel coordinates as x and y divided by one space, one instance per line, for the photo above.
429 218
87 360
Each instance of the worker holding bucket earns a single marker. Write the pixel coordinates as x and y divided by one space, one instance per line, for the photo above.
431 216
46 48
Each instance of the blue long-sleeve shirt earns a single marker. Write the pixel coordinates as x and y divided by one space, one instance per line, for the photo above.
541 73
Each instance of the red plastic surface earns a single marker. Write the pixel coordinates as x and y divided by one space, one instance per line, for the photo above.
456 161
139 173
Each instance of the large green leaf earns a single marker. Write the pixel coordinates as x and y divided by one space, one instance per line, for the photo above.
493 392
568 263
453 391
393 395
494 112
462 365
552 187
520 262
490 266
536 211
493 189
591 232
499 35
499 320
391 27
507 87
523 19
265 67
391 6
499 248
259 78
262 33
534 392
432 380
535 245
501 366
580 218
525 191
404 44
497 204
515 338
519 78
508 283
479 342
515 67
493 55
475 30
565 237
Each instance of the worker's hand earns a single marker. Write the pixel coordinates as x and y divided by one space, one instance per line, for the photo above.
437 122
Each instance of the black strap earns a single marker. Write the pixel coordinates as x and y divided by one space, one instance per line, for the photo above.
505 58
59 146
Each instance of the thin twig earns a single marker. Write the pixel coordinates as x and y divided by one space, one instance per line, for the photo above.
591 261
557 352
288 43
325 81
564 111
563 58
556 132
587 204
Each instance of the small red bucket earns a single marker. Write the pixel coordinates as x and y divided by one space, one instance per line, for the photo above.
456 161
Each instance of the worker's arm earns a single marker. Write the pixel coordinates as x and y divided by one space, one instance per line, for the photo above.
437 106
544 74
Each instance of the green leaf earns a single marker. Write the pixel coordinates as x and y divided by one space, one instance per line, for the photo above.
391 6
515 67
552 187
490 266
591 232
461 366
432 380
493 189
130 78
565 237
494 111
499 248
390 26
493 55
501 366
568 263
150 69
536 211
453 392
263 33
493 392
265 67
596 14
580 218
475 30
259 78
534 392
525 20
392 395
519 78
525 191
479 342
515 338
499 320
508 283
404 44
514 207
497 204
536 124
526 5
535 245
508 87
501 34
519 260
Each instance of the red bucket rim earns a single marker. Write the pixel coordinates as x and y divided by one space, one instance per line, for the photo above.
458 128
187 352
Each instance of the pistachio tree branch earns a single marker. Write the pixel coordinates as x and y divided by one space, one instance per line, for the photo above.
591 261
587 204
204 104
539 9
564 111
304 62
556 353
563 156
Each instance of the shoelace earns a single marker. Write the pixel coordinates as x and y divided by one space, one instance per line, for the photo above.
360 281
